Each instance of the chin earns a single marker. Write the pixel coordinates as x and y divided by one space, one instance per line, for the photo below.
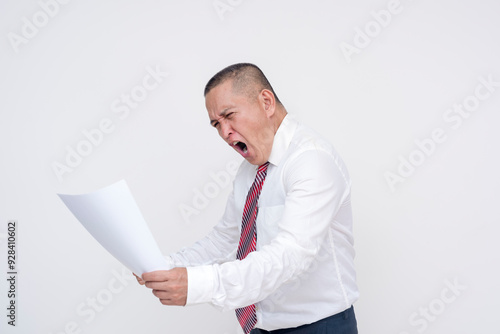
250 160
254 162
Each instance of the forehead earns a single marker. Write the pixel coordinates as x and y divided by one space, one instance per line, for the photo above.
223 96
224 89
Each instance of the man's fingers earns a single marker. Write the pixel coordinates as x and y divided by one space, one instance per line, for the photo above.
169 298
169 286
156 285
156 276
139 279
172 302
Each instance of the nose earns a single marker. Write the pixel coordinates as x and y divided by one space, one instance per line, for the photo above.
225 130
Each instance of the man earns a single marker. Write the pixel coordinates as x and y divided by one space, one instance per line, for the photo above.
288 219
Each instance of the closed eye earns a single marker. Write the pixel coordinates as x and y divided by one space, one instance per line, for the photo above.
224 114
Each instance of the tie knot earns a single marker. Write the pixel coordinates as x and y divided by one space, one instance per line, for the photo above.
262 168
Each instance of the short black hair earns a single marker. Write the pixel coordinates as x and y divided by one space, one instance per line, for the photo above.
246 78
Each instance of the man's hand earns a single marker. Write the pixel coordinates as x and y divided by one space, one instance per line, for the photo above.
139 279
170 286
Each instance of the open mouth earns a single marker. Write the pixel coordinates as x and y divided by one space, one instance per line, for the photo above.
240 147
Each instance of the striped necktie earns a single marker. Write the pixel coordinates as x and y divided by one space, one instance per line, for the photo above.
248 239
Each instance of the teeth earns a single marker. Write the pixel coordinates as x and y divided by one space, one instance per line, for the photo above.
244 149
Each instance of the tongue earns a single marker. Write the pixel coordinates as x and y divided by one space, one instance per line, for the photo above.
242 146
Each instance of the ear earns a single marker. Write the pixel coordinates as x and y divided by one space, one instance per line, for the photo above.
268 102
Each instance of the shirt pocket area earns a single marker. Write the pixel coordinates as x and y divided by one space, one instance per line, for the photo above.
268 218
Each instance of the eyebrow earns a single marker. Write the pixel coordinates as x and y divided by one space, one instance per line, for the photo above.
222 114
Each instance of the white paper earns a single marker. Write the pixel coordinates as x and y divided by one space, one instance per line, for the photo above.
113 218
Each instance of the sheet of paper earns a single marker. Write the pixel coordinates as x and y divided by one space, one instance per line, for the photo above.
113 218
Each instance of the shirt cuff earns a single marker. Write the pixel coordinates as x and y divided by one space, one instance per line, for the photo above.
200 284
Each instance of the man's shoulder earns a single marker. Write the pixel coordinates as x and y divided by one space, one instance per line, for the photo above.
307 138
309 147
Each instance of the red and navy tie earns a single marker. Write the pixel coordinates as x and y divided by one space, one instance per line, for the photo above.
248 239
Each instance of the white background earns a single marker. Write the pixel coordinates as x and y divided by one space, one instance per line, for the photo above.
434 227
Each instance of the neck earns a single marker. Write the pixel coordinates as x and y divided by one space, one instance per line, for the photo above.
280 114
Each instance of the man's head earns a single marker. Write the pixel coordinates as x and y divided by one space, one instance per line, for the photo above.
244 109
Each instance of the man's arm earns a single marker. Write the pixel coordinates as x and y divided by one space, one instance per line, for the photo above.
316 187
217 247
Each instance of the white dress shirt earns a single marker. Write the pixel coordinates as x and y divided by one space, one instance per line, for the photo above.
302 270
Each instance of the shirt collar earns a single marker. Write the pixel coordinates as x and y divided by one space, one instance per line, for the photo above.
282 139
